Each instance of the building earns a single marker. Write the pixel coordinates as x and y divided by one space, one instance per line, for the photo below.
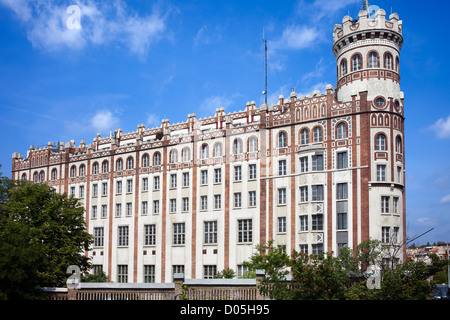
312 173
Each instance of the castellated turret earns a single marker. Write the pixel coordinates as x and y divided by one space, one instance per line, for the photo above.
367 52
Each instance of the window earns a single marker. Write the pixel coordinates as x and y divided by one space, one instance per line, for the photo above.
304 223
237 200
217 201
342 191
304 194
150 235
252 171
204 175
105 166
317 162
379 102
82 170
119 165
179 233
157 159
185 204
35 177
98 237
173 180
237 173
304 248
129 186
317 249
95 168
185 179
204 152
104 188
149 273
204 203
282 167
356 62
385 204
173 205
123 236
122 273
237 145
81 190
144 207
380 142
399 174
388 61
317 134
73 172
304 136
317 222
245 231
385 234
72 191
145 160
373 60
173 156
186 155
209 272
94 190
282 196
118 210
317 193
282 140
94 212
252 198
252 145
54 175
210 232
304 164
217 175
342 160
130 163
281 224
118 187
155 206
341 131
129 209
381 172
343 68
144 184
342 220
395 205
217 150
156 183
42 176
398 145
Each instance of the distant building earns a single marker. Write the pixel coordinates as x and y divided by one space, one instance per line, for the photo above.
314 173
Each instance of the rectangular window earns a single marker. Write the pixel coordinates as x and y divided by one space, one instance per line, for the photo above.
122 273
185 179
210 232
304 223
150 235
81 192
204 203
385 234
118 209
217 175
317 222
245 231
144 184
399 174
173 180
252 198
342 160
129 209
104 211
144 207
95 190
118 187
173 205
304 164
385 204
304 194
94 212
104 189
204 176
155 183
317 163
129 186
237 173
98 237
178 233
282 167
304 248
317 193
155 206
341 191
317 249
237 200
282 224
149 273
72 191
185 204
123 236
209 272
342 220
395 205
282 196
252 171
217 201
381 172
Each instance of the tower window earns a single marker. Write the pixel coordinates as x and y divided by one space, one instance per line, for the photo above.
379 102
388 61
356 62
343 67
373 60
380 142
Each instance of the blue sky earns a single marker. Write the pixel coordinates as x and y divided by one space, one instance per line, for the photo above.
138 62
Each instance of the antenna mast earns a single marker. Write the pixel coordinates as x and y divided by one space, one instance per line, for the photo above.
265 65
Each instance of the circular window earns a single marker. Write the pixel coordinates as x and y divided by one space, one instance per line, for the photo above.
397 105
379 102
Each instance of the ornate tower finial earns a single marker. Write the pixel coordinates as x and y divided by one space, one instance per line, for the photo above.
365 5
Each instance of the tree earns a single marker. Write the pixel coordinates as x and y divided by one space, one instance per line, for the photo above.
42 233
225 274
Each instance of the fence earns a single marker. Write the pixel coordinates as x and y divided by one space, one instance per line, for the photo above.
189 289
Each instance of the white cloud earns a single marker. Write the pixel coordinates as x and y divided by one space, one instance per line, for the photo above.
445 199
104 120
104 22
297 37
442 128
153 120
210 104
207 34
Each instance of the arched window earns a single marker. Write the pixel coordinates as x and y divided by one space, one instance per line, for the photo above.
398 145
373 60
82 170
119 165
341 131
54 174
205 152
73 171
304 136
217 150
145 160
186 154
252 144
36 177
380 142
157 159
356 62
282 140
317 133
388 62
173 156
95 168
42 176
105 166
237 146
343 68
130 163
24 176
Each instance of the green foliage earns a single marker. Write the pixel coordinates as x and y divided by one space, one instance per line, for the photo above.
95 277
41 234
225 274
